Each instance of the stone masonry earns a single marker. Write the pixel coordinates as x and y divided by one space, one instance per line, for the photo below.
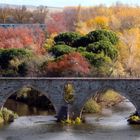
84 89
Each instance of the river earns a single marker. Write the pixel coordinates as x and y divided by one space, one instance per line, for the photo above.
110 125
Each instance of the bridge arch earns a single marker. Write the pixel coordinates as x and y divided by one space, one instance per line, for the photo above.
12 90
120 91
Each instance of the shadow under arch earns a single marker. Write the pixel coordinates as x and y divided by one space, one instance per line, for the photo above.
13 91
102 90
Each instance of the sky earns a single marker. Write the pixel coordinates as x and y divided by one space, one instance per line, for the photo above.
62 3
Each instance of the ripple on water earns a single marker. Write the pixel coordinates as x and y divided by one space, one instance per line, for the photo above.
111 125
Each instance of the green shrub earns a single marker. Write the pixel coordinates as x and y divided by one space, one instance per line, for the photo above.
59 50
105 35
92 107
6 55
96 60
68 38
104 47
81 49
82 41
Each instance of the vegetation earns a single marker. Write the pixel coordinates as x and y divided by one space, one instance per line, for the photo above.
99 101
77 121
73 64
59 50
104 35
67 38
22 37
11 61
80 41
69 93
21 14
134 118
92 107
104 47
7 116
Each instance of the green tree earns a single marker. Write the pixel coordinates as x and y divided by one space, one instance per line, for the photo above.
104 47
82 41
67 38
59 50
105 35
97 60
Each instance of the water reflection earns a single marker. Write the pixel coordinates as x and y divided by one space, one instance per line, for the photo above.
111 125
25 110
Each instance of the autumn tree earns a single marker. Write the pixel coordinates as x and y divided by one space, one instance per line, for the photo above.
40 14
20 37
72 64
129 51
56 23
99 22
20 14
4 14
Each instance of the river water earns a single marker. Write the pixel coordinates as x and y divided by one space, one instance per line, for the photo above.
110 125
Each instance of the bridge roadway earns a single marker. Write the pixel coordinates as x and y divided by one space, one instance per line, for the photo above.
84 89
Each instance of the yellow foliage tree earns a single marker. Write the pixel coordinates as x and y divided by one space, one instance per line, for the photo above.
130 51
49 41
99 22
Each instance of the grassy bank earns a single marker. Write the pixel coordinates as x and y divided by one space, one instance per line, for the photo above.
7 116
104 100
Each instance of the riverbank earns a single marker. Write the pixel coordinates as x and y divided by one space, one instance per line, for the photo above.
101 101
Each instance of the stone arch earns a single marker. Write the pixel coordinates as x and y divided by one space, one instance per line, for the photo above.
124 93
8 91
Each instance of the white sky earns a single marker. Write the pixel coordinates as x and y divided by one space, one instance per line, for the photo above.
62 3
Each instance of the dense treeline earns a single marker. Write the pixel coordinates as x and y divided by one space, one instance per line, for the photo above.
81 41
84 19
66 57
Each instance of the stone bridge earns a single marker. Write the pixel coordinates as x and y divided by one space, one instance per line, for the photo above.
84 89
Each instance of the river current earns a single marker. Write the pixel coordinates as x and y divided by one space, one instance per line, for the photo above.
110 125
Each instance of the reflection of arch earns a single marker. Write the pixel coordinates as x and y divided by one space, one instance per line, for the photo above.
90 94
12 90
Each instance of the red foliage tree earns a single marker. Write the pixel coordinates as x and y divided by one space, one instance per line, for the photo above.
22 38
72 64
